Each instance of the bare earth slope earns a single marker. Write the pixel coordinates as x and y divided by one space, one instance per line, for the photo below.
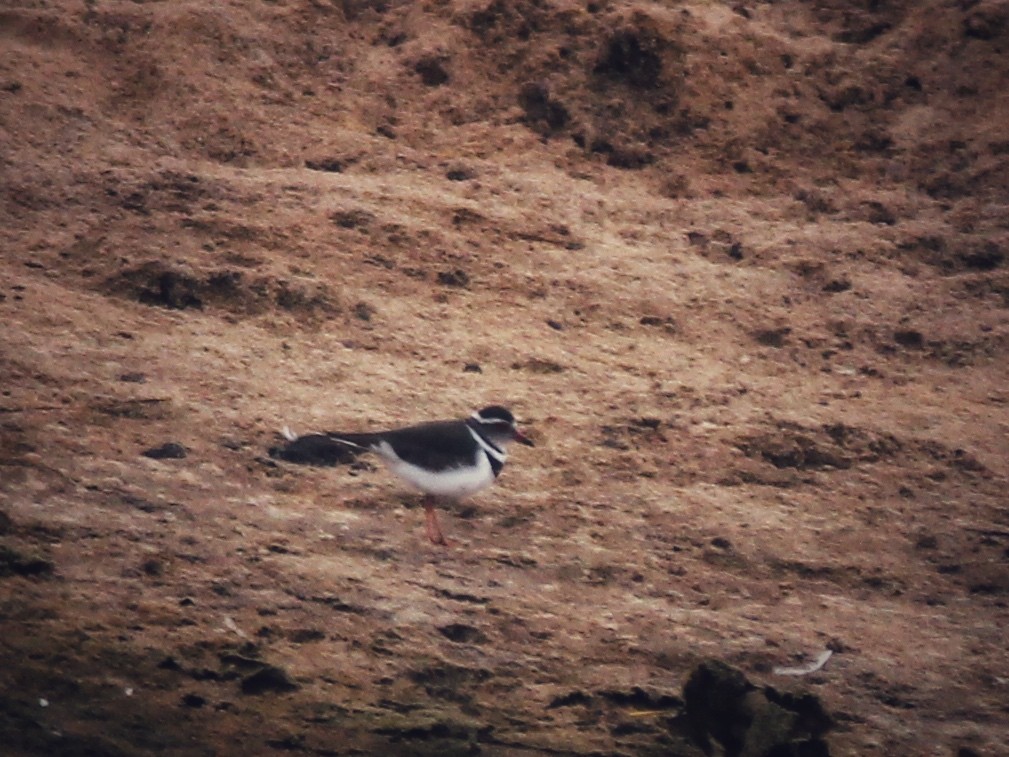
739 267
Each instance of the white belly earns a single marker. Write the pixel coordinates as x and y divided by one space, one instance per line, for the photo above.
453 483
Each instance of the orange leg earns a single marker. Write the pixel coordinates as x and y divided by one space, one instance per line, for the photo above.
433 530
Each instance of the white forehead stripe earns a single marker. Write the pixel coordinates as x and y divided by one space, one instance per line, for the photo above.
490 421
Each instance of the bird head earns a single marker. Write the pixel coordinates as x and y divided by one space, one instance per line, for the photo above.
499 425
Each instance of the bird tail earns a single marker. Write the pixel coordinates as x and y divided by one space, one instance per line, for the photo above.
319 449
358 442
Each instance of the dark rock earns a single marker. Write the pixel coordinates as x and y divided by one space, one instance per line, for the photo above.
167 451
815 201
909 338
876 212
462 597
461 633
294 743
772 337
667 323
14 563
638 698
835 286
337 604
987 21
570 700
541 110
649 423
432 71
448 734
631 55
303 635
169 663
145 505
454 278
459 174
268 679
193 700
796 450
364 311
472 368
174 290
987 257
747 721
294 298
629 157
330 165
352 219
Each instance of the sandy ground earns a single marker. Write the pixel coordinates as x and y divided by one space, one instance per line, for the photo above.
739 268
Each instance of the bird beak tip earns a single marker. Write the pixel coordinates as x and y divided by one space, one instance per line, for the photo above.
523 439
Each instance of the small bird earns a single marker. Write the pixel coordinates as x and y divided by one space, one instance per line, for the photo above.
449 459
